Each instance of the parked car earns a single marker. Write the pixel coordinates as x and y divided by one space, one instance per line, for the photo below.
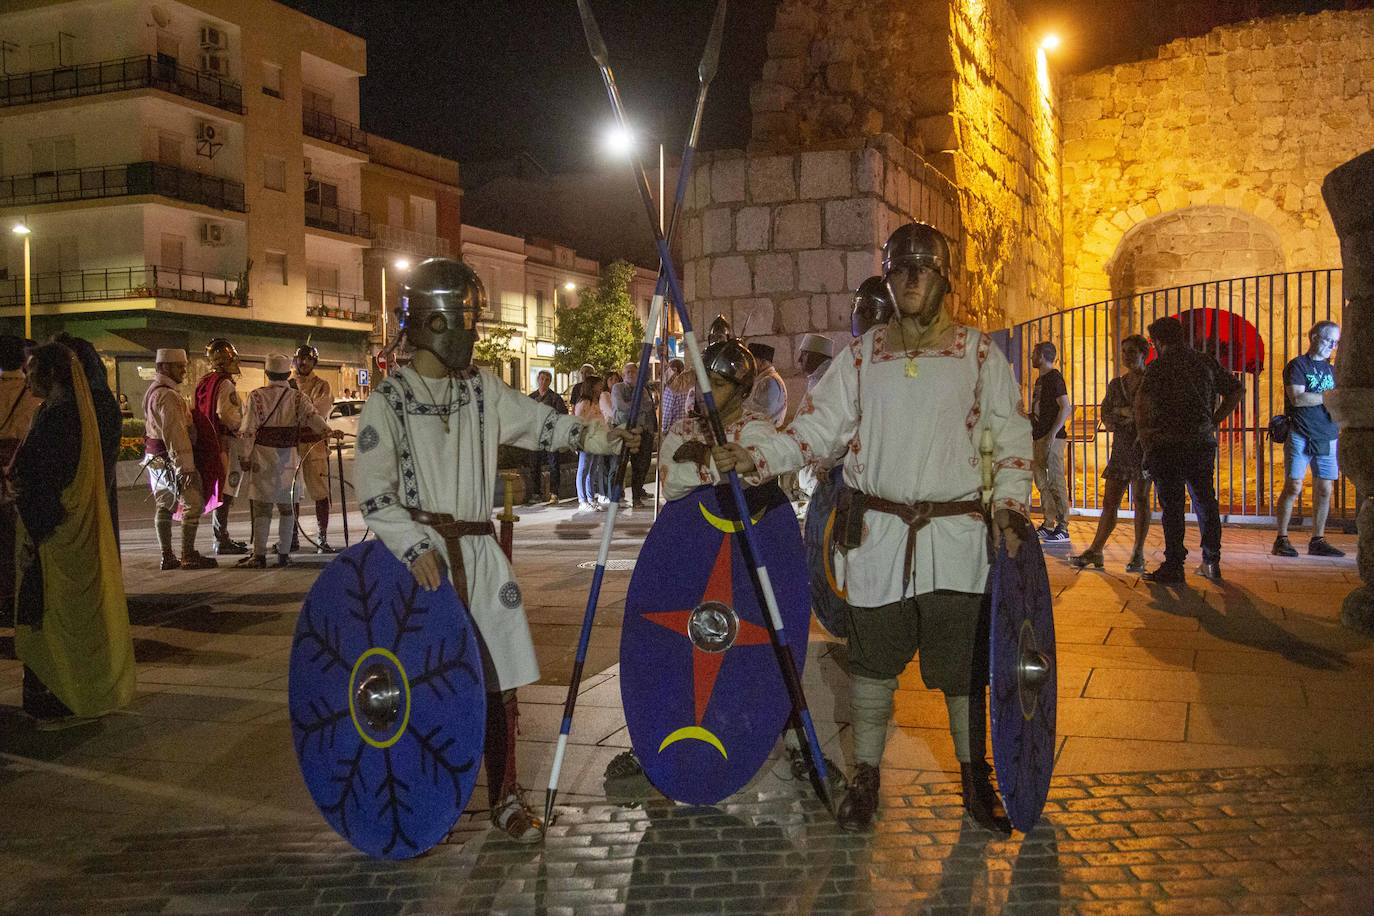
344 417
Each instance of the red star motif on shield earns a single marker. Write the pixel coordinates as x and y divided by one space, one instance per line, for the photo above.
706 665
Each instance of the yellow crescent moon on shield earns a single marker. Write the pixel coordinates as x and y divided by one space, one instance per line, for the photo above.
729 527
697 732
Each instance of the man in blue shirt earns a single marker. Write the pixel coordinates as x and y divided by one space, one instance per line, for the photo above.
1311 438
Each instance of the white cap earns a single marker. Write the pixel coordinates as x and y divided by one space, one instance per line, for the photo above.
278 364
170 355
817 343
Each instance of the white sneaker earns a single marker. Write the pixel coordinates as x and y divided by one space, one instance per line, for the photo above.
585 506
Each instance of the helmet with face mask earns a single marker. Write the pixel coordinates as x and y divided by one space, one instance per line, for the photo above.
441 303
222 355
916 246
731 359
872 306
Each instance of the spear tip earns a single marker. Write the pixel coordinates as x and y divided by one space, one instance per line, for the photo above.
711 58
595 43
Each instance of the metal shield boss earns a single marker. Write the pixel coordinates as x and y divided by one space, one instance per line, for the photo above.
1024 680
387 703
704 697
827 598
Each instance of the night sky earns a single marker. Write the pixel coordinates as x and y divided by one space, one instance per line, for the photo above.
490 79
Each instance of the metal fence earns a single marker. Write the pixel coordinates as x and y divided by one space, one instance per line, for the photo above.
338 219
123 283
324 126
118 75
1252 325
330 303
120 181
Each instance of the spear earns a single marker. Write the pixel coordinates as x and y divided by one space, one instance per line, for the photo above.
706 72
763 587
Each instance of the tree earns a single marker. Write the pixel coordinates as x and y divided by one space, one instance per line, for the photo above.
494 348
603 328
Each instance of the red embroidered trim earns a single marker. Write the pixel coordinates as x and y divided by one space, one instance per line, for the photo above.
1020 464
956 349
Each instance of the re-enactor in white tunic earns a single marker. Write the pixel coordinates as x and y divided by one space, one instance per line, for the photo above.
912 439
408 459
683 475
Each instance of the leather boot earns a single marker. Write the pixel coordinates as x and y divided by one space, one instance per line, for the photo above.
170 561
860 803
192 559
509 813
981 803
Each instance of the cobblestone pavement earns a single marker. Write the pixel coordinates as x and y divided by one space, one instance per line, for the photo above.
1214 756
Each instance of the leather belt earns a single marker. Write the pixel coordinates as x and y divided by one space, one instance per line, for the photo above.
916 516
453 530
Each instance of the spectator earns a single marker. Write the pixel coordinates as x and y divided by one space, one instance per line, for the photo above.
1125 468
1183 398
125 411
1311 439
576 394
813 357
1051 408
587 409
769 395
540 460
646 421
601 464
677 393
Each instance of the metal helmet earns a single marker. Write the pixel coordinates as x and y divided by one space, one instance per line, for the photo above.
872 306
719 330
441 303
917 245
222 355
731 359
306 351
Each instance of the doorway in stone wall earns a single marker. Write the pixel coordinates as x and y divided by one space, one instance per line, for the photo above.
1195 245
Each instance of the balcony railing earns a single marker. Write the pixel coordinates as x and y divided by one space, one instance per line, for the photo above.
505 314
329 303
123 283
122 181
117 76
543 328
338 219
419 244
335 130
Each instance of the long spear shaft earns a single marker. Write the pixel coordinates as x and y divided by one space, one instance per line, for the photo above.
706 73
759 573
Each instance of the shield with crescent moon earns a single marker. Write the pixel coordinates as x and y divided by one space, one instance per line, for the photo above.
704 697
827 598
387 703
1023 681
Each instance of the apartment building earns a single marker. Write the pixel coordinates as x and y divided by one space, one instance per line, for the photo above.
186 170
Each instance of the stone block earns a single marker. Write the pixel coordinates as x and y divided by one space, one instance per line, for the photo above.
728 180
717 233
825 174
868 171
752 228
730 277
786 42
771 179
797 226
770 97
795 315
702 269
840 307
821 271
753 317
859 266
775 128
782 351
820 310
852 223
937 133
774 273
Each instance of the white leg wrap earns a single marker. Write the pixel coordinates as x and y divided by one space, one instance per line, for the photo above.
871 701
286 526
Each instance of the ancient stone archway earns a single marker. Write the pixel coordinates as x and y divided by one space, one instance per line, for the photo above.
1193 245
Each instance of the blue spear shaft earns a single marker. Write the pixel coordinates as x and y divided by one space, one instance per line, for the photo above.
763 586
706 72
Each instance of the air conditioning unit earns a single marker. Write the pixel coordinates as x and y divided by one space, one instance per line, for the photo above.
212 233
212 39
211 62
206 133
308 165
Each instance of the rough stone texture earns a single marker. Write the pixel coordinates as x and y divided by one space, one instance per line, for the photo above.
1249 118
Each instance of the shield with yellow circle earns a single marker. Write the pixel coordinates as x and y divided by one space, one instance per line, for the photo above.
387 703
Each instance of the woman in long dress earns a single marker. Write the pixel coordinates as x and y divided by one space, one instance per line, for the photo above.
71 617
1125 470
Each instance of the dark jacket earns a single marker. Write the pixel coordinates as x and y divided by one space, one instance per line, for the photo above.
1179 397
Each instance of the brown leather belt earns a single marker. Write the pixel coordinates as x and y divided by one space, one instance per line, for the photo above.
277 436
309 438
453 530
916 516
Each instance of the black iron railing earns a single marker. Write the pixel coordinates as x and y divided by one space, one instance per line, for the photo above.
117 76
512 315
543 328
338 219
123 283
122 181
329 303
335 130
1252 325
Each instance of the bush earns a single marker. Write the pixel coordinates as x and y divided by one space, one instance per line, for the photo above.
131 440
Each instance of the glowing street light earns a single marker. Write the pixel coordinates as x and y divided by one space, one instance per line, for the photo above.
22 229
1051 42
570 286
401 265
620 141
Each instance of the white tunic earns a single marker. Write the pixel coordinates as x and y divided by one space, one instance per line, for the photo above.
907 440
682 477
167 417
407 459
276 404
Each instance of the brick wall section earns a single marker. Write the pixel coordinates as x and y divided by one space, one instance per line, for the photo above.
1249 117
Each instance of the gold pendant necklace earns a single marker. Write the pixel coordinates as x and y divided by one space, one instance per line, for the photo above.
911 368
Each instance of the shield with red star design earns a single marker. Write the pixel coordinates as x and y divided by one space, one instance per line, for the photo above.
703 694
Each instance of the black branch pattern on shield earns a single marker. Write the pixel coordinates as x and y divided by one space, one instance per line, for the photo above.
349 782
404 609
393 804
435 758
326 639
366 608
439 669
324 721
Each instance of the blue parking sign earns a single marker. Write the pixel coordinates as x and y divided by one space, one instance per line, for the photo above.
362 377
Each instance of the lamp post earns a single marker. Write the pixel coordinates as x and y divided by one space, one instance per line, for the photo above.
401 265
22 229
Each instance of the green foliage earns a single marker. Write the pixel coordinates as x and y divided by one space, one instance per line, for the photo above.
603 329
494 348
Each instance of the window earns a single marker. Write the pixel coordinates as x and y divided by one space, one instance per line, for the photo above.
317 100
168 46
173 252
52 255
321 192
395 212
49 154
66 49
274 173
169 149
422 215
271 79
322 276
276 267
41 56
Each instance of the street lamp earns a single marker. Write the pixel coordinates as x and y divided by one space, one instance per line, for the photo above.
401 265
22 229
1051 42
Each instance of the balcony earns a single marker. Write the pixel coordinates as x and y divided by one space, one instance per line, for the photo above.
118 75
512 315
122 181
396 238
338 219
329 303
326 127
124 283
543 328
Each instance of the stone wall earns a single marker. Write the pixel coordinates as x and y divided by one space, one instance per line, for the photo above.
1249 117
